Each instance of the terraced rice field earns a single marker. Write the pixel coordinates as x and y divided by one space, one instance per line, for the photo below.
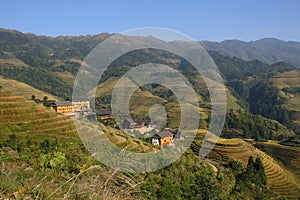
289 79
24 90
21 116
280 178
24 117
123 140
287 156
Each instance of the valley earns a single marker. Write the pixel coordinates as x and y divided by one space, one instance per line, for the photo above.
43 157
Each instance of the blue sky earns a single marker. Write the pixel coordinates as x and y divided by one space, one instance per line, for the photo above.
215 20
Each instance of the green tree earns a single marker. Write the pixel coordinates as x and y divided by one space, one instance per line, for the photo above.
205 188
45 101
262 177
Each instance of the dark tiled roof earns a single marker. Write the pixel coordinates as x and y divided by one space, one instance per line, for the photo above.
104 111
129 120
165 134
51 101
63 103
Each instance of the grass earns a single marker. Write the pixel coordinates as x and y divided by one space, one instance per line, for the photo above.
24 90
231 101
14 62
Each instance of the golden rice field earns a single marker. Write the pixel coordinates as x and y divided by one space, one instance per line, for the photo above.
24 90
21 116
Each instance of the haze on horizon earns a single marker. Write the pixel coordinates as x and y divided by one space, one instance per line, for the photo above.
202 20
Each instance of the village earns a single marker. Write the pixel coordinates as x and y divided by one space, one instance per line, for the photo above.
81 106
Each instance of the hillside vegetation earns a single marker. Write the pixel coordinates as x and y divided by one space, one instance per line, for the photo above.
280 178
288 84
42 156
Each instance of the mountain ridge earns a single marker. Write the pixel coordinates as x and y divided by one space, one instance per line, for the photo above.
269 50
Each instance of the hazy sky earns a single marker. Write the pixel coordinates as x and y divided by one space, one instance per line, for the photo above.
202 20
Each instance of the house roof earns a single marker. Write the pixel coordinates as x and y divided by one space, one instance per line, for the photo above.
104 111
129 120
77 99
165 134
63 103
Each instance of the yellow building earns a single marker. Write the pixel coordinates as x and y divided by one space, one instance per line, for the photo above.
72 106
63 107
163 138
80 104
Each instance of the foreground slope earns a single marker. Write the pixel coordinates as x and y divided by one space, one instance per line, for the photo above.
42 156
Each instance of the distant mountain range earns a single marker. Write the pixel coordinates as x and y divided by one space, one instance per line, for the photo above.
267 50
15 46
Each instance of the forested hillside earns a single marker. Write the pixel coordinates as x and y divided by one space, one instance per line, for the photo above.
44 158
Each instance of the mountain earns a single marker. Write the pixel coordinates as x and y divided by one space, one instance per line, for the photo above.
37 145
50 64
18 48
268 50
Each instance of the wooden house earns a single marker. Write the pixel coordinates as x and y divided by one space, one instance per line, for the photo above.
166 137
163 138
80 104
105 113
128 123
63 107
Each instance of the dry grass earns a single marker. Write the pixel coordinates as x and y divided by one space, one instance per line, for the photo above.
14 62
